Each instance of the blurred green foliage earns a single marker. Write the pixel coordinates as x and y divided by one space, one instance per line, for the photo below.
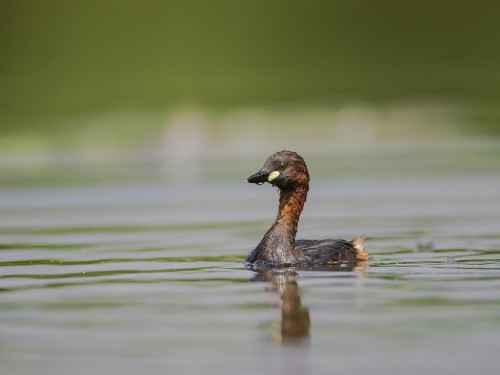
67 58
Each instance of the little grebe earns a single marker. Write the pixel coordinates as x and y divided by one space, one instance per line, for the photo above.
288 171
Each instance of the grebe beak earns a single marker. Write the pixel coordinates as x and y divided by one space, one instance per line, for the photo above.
259 178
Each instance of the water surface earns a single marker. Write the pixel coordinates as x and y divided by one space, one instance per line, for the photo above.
122 274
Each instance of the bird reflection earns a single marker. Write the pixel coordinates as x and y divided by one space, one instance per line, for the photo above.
295 321
295 325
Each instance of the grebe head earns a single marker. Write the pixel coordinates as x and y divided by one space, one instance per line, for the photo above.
284 169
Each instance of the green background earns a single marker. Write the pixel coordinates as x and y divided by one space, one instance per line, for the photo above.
63 58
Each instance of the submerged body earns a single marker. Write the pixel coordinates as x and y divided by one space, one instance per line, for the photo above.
288 171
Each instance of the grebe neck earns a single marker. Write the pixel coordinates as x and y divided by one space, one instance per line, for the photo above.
290 207
278 244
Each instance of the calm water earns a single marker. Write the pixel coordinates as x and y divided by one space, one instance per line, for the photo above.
118 273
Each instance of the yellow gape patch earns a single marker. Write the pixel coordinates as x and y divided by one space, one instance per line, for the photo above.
273 175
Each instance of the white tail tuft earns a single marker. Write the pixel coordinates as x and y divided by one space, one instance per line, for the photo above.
358 244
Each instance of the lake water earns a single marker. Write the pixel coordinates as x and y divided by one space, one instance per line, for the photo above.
128 268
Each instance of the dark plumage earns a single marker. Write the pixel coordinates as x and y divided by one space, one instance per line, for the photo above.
288 171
